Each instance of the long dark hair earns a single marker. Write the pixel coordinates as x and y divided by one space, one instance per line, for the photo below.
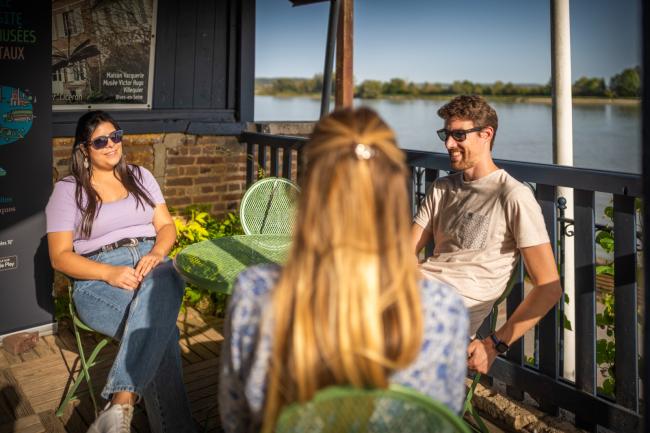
129 175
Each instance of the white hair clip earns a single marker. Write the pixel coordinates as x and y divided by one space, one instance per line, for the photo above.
364 152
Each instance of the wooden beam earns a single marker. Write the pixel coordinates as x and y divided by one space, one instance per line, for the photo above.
344 55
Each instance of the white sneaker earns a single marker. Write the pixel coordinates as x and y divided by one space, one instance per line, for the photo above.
115 418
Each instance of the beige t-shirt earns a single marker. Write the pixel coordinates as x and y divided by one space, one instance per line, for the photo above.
478 227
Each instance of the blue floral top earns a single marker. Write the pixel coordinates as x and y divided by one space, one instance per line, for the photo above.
438 371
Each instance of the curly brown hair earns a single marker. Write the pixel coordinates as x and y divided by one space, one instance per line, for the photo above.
471 107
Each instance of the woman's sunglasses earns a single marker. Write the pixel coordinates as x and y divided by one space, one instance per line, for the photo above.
457 134
102 142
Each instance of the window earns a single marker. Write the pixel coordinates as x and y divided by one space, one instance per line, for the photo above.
78 72
72 22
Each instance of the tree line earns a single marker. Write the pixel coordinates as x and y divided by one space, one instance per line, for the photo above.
625 84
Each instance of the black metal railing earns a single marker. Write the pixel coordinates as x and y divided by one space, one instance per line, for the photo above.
543 380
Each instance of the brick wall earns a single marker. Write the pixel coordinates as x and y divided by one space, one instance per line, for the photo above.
190 169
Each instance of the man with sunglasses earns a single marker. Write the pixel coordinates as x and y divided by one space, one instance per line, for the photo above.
482 220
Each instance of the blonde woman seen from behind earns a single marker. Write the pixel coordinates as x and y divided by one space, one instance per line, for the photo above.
349 306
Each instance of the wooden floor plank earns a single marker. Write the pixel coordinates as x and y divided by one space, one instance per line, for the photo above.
4 362
188 353
26 424
61 343
51 423
208 363
13 394
42 348
75 424
29 355
201 339
11 359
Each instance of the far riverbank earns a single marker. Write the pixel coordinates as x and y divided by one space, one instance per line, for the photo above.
581 100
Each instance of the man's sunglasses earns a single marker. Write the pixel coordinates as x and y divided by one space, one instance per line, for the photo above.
102 142
457 134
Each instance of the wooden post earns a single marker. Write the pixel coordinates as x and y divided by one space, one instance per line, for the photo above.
344 55
645 145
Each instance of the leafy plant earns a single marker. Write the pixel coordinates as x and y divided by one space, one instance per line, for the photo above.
606 347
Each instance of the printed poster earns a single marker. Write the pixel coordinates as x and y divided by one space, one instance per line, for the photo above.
102 53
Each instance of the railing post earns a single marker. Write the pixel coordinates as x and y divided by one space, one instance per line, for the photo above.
548 326
274 161
516 351
261 160
585 301
645 146
287 161
332 30
429 177
249 163
625 303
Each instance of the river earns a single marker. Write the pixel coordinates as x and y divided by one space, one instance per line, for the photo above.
605 136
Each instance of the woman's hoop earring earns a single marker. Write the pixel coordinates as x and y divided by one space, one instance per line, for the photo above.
86 163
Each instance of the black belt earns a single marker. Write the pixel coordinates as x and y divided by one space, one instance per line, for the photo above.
126 242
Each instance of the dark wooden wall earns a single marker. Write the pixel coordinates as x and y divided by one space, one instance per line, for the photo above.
204 71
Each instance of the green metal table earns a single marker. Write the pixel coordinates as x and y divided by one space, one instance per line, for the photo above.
215 264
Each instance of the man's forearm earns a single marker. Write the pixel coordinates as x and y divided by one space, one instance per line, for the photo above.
534 306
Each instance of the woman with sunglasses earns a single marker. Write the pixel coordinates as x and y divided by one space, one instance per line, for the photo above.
110 231
349 306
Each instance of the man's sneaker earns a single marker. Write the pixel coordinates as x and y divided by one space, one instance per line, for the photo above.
116 418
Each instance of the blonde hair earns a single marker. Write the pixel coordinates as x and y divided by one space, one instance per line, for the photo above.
346 309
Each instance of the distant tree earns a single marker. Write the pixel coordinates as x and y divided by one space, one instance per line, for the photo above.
413 89
495 89
586 86
462 87
509 89
396 86
370 89
627 83
479 89
432 89
314 84
288 85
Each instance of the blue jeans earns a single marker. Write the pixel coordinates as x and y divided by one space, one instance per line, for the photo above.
148 361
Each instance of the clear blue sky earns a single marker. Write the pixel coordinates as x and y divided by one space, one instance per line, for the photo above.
442 41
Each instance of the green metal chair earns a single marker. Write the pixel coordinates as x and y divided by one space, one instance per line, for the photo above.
341 409
469 407
86 362
268 207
